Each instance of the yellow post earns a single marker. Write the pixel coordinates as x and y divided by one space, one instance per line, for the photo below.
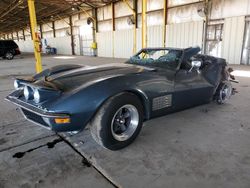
144 23
36 41
135 35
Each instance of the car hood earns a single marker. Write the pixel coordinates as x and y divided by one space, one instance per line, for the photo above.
85 76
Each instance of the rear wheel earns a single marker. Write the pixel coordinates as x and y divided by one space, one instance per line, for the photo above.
9 55
118 122
224 92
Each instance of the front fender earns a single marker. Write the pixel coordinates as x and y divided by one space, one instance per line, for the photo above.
84 103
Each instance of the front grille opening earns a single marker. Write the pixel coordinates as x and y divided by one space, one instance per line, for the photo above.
34 117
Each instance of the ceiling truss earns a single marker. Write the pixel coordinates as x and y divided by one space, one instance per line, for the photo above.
14 14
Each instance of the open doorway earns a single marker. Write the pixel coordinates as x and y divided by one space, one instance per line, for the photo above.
214 40
245 60
86 39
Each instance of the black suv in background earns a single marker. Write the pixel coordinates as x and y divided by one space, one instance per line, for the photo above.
8 49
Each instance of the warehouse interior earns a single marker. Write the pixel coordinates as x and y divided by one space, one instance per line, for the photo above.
205 146
64 25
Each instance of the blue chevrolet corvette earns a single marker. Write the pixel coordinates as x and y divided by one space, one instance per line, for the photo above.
116 99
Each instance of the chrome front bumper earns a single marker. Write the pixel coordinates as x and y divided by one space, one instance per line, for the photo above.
38 115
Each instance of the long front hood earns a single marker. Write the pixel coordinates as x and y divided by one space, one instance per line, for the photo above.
72 79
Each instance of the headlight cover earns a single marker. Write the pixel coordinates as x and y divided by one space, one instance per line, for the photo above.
17 85
28 93
37 96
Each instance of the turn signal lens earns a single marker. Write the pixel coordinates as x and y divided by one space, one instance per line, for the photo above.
62 120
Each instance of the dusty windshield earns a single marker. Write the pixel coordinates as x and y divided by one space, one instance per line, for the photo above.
167 58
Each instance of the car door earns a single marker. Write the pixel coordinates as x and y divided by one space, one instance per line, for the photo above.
160 90
190 89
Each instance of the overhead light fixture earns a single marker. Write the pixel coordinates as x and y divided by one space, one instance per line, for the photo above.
201 10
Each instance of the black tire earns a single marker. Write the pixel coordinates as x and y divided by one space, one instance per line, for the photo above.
102 126
9 55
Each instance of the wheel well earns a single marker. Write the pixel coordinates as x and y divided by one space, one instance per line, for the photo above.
142 98
144 102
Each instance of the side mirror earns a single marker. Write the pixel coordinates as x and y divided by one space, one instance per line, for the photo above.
195 65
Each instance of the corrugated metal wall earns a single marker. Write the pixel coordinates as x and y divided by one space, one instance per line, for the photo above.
184 35
105 44
115 44
155 36
233 39
123 43
185 28
25 46
62 44
178 35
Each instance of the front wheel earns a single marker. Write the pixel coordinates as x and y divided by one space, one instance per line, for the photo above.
118 122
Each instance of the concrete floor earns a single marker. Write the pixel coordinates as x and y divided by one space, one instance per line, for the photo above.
206 146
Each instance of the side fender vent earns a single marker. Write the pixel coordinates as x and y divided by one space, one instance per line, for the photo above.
162 102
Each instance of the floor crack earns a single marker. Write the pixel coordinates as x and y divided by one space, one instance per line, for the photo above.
86 162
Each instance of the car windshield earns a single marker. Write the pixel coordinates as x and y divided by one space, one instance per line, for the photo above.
166 58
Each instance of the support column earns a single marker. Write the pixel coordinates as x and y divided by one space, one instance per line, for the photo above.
135 6
34 33
53 27
23 35
41 31
144 23
71 35
113 27
135 15
31 33
207 12
17 36
95 30
96 20
113 16
134 11
165 20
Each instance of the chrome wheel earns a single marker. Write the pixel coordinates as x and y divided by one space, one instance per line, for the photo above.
225 93
125 122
